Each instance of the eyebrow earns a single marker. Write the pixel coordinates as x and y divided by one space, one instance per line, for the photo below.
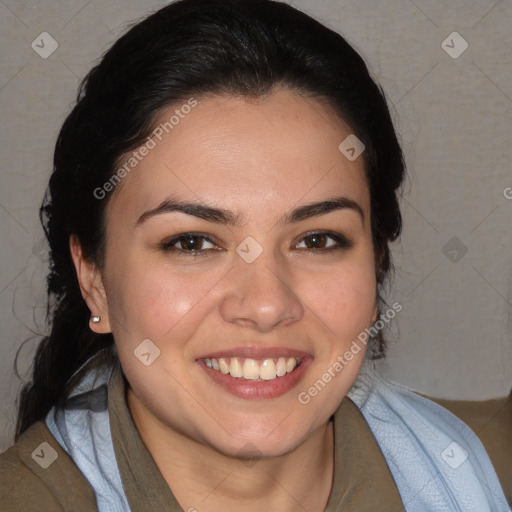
222 216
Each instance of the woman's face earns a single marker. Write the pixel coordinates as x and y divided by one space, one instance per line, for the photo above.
270 285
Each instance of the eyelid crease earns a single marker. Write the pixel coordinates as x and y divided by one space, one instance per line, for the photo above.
339 237
342 241
181 236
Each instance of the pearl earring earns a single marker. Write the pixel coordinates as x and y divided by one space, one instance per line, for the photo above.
96 319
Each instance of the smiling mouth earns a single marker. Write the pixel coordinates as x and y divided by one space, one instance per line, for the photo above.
252 369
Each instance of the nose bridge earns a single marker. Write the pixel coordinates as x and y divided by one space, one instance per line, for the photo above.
260 292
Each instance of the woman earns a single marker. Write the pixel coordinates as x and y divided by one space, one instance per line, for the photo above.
223 197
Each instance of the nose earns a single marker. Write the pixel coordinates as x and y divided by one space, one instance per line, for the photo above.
259 295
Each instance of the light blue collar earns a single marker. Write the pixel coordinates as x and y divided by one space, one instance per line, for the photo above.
84 433
437 462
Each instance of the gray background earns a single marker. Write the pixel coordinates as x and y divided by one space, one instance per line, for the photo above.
453 336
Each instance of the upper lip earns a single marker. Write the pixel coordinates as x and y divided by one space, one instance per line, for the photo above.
252 352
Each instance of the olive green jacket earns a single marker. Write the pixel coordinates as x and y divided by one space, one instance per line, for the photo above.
361 481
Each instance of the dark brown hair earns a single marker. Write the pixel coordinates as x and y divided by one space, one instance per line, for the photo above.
188 49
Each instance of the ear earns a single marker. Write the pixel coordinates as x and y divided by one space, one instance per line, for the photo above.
375 315
91 287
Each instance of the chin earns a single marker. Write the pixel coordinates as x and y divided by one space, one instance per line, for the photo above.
256 447
251 452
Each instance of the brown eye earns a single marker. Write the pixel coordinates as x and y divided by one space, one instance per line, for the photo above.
191 243
318 241
325 241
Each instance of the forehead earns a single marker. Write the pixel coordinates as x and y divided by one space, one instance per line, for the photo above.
273 151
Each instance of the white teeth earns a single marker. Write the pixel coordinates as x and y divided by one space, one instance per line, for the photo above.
250 369
235 368
268 370
290 364
281 367
223 366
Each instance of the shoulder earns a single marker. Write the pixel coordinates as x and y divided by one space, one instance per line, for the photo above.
38 475
491 421
421 437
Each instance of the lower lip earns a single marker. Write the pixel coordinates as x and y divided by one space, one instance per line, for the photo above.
244 388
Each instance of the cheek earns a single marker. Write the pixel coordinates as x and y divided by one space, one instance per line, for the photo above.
155 300
343 299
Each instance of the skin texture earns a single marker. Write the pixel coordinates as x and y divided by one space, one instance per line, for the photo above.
260 158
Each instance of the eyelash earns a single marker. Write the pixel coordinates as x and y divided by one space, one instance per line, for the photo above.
343 243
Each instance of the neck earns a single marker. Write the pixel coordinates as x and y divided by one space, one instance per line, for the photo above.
201 478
